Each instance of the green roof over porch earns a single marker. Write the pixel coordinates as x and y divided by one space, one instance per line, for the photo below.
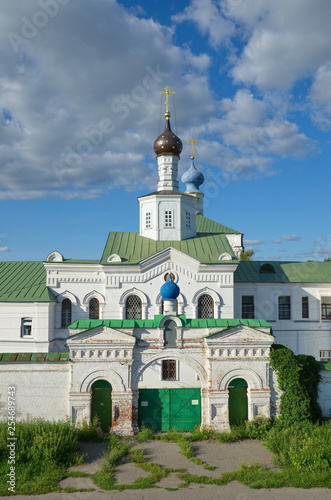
88 324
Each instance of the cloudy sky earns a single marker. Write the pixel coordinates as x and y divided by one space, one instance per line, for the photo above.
80 109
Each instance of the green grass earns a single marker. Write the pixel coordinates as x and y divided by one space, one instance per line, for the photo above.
33 478
105 477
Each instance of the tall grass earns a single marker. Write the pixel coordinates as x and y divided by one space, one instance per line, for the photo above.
39 441
304 446
43 450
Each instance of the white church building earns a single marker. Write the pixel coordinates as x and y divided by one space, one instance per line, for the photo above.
169 329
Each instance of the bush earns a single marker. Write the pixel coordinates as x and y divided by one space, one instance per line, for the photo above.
304 445
259 427
298 378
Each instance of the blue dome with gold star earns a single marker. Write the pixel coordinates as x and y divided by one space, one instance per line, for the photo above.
192 178
169 291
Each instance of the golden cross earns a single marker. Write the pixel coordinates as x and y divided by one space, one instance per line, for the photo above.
192 141
167 92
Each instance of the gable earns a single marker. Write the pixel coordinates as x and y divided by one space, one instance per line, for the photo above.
240 334
101 335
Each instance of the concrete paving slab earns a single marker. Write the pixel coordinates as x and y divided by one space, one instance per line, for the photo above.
228 457
93 454
127 473
169 455
77 482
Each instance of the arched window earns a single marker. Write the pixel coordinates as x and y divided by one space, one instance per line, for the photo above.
66 313
133 307
205 306
170 334
93 309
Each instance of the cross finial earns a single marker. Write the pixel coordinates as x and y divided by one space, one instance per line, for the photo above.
192 141
167 92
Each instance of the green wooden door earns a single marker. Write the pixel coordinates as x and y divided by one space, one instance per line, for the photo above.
169 409
101 403
238 407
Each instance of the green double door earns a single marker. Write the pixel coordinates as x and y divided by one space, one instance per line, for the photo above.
238 407
101 403
169 409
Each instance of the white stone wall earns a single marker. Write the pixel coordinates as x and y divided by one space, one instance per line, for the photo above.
152 376
114 284
11 315
302 336
42 389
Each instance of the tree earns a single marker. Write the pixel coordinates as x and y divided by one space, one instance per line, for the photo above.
247 255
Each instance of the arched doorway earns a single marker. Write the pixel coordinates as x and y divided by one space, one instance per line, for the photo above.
101 403
238 406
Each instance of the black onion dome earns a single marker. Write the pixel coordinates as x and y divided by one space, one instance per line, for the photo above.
168 142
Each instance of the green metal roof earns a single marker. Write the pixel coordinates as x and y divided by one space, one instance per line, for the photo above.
205 247
285 272
88 324
205 225
24 282
7 357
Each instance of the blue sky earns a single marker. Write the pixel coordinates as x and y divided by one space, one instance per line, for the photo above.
80 108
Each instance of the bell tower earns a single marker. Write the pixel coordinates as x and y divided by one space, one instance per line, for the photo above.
167 214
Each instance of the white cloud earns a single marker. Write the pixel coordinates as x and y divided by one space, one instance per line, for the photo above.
253 242
320 94
287 41
291 237
208 17
80 103
4 249
277 44
81 98
247 126
287 237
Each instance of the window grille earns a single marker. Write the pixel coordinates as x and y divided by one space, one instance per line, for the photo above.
326 307
284 307
133 307
247 307
168 218
94 309
169 371
205 306
66 313
188 220
148 220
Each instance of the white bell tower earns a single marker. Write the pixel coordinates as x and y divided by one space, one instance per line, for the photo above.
168 214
